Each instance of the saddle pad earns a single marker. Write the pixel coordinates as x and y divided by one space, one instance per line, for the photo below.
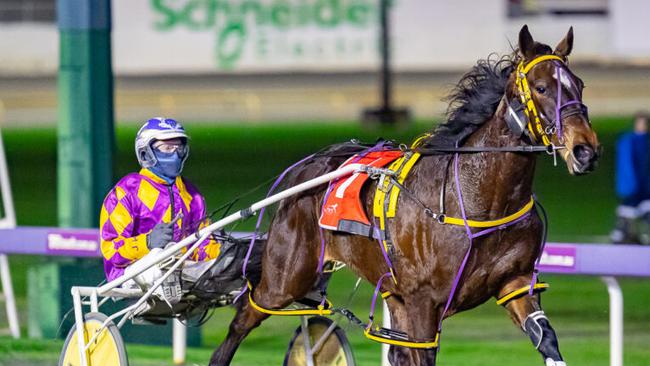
343 209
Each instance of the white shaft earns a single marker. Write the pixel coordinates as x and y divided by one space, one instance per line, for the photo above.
386 324
306 338
145 263
615 321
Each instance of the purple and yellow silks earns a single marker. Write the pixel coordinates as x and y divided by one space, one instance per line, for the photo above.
135 205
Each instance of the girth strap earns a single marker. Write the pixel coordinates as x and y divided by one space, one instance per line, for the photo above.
491 223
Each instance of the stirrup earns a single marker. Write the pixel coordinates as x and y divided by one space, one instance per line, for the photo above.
398 338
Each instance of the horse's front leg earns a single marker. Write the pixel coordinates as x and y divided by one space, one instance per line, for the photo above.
527 313
422 316
399 316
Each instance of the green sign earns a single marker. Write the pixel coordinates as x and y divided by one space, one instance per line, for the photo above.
257 31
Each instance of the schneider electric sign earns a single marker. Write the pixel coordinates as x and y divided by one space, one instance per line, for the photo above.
268 34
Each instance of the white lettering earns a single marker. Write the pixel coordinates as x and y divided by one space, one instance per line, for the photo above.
58 242
557 260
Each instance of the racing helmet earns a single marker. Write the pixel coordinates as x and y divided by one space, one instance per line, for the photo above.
158 128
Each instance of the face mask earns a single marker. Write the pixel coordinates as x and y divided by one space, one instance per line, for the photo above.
168 166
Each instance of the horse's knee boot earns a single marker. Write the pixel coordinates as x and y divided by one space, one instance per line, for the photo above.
543 337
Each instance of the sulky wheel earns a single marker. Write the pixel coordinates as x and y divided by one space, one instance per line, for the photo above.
334 349
107 350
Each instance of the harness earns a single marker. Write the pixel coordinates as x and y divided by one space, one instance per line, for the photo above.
384 207
391 184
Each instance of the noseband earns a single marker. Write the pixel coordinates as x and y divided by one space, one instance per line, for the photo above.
534 125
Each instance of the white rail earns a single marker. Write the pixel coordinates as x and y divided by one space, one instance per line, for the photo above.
179 342
615 321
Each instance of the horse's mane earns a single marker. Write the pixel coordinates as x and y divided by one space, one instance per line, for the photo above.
473 100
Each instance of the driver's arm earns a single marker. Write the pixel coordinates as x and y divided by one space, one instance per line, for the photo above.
118 245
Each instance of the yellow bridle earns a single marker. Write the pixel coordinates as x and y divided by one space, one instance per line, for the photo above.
534 121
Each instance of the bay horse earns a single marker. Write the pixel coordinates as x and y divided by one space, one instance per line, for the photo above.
489 184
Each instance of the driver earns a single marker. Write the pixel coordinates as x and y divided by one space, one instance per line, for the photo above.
148 209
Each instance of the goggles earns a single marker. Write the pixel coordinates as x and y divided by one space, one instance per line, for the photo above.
169 147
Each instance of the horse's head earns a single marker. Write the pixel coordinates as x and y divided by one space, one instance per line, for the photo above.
549 99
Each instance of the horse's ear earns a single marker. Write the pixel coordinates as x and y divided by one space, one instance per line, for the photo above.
526 43
563 49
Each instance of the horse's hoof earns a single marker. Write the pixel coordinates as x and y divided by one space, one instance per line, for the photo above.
550 362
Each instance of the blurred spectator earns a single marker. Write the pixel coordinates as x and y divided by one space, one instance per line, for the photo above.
633 184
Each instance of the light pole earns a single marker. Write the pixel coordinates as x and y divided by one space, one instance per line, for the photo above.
385 113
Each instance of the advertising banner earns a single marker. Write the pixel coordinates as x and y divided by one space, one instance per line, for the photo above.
263 36
245 35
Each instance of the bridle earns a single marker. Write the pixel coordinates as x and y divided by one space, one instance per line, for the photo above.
523 116
535 128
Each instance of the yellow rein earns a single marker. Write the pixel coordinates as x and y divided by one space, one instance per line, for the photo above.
534 122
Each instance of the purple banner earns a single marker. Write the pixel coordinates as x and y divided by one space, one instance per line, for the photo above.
559 259
76 243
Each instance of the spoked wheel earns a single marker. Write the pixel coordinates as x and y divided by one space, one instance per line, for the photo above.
324 340
107 350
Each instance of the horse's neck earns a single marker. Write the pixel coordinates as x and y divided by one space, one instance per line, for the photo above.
501 180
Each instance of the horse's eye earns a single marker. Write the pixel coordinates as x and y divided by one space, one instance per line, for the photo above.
540 89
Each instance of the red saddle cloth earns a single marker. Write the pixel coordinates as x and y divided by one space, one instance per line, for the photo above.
343 209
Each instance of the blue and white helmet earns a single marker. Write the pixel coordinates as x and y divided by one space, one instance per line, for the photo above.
158 128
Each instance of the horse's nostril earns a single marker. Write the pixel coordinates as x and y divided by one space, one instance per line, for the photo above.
584 154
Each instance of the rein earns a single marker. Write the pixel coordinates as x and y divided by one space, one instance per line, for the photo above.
432 150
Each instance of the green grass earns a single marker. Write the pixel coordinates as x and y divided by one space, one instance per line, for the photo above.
228 160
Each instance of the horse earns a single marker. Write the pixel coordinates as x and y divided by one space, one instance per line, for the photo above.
439 272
